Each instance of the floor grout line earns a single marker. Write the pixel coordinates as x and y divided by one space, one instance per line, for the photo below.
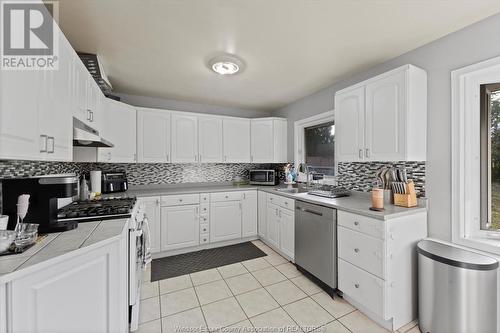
201 309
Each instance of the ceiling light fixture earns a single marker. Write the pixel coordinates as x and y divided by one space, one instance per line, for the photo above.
226 64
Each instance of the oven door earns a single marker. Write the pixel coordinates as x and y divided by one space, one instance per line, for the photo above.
135 277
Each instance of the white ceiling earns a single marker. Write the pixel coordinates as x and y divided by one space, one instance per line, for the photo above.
291 48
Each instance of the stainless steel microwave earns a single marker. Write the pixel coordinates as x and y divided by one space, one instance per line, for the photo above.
264 177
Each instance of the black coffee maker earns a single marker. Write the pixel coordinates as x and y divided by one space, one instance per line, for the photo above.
46 193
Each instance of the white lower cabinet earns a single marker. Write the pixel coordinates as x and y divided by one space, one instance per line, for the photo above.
180 227
377 265
280 224
153 213
225 220
273 226
262 214
87 293
249 214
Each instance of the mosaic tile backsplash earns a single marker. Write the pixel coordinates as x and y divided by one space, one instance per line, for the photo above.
360 176
354 176
138 173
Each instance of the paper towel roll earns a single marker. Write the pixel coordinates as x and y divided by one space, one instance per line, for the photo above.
95 181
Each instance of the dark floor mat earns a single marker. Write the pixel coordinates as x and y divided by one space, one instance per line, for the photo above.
168 267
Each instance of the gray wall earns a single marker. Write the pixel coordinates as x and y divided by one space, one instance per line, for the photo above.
472 44
172 104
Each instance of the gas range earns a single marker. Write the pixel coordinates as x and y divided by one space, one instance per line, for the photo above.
97 210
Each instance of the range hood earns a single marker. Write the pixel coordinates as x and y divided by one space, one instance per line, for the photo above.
86 136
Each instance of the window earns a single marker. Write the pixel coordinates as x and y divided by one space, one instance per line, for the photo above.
490 156
319 143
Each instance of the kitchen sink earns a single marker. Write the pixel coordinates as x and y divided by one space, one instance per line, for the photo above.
292 190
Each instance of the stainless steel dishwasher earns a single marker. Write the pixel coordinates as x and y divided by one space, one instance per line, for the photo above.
316 243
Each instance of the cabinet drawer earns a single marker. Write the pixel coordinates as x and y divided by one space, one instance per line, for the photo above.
204 239
361 250
204 208
281 201
363 224
204 219
226 196
204 228
181 199
363 287
204 197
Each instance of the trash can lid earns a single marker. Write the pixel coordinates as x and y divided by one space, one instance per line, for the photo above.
455 256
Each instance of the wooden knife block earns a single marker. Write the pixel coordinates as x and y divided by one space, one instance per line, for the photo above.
409 199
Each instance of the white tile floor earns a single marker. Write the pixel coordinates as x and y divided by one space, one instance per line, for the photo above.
261 295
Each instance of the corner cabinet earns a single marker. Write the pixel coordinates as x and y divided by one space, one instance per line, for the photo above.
383 118
236 144
268 137
153 135
119 127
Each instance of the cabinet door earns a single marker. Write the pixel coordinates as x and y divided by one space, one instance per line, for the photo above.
153 136
349 125
80 74
119 128
19 135
249 214
184 138
225 220
273 227
386 118
210 139
152 210
262 214
287 232
236 140
180 227
262 141
86 293
56 105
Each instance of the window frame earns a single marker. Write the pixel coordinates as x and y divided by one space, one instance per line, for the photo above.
299 132
466 155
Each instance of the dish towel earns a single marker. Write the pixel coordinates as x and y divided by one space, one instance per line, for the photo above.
146 243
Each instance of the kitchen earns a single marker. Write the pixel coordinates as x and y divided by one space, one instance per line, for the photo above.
170 190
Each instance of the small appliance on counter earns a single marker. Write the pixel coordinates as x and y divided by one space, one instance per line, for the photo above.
114 181
47 194
264 177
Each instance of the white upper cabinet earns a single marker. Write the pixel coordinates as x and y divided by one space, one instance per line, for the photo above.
383 118
262 134
120 129
153 135
349 125
184 138
236 134
210 139
268 140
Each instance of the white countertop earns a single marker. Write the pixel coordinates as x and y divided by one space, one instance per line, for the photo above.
56 245
358 202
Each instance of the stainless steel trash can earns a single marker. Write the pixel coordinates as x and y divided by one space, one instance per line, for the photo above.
457 289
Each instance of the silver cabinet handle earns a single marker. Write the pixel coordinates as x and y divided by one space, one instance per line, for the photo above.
356 285
280 213
43 143
50 144
356 250
196 158
240 206
276 211
92 116
88 115
157 202
356 223
367 152
168 157
180 200
361 153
